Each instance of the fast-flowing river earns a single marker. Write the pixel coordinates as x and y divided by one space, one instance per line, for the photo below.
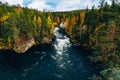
58 61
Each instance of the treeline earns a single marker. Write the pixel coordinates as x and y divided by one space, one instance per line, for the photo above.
97 29
19 24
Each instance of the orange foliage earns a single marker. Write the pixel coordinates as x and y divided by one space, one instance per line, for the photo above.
58 20
18 10
34 19
73 22
82 16
67 23
96 31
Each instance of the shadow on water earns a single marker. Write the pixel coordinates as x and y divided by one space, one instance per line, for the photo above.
12 64
15 60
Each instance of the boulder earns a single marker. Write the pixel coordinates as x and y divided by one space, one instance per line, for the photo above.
22 47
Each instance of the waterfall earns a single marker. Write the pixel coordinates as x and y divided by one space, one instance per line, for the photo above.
61 46
61 40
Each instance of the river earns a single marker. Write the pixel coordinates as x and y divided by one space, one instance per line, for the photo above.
58 61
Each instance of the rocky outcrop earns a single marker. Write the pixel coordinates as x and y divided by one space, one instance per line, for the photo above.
22 47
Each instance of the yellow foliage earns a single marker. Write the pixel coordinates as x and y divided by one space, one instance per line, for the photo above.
84 28
49 22
5 17
52 27
9 42
39 21
55 24
34 19
1 45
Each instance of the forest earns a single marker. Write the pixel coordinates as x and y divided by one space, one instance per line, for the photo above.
96 29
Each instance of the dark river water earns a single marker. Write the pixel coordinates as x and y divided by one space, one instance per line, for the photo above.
58 61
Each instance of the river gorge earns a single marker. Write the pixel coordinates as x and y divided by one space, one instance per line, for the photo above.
59 60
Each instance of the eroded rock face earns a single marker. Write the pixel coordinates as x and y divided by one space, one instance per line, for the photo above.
22 47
